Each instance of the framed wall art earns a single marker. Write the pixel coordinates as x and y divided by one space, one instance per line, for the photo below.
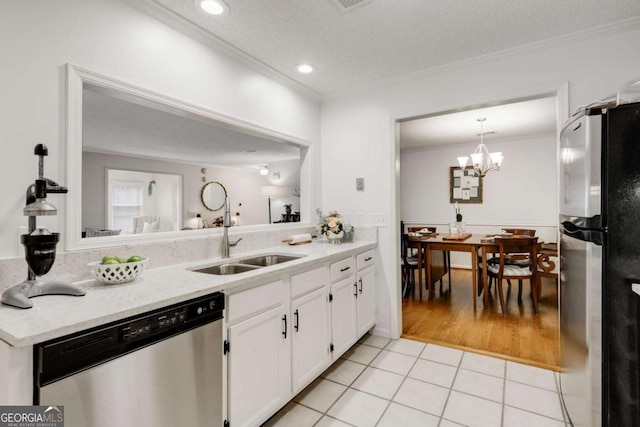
465 186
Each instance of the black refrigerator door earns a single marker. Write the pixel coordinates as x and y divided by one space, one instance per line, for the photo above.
622 266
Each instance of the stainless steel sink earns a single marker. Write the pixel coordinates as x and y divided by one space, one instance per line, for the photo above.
236 266
267 260
226 269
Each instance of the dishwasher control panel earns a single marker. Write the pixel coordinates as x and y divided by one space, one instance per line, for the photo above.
141 329
150 325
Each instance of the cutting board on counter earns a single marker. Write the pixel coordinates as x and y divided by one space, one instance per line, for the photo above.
457 237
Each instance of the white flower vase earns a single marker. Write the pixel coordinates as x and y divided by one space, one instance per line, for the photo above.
334 238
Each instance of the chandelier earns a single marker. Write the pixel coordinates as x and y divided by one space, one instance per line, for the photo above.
481 160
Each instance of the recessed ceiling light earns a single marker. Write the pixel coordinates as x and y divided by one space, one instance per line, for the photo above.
212 7
305 68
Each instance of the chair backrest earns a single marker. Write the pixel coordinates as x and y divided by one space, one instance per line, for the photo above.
520 231
526 246
405 249
415 229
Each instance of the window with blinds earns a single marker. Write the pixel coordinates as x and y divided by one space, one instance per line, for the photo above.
126 202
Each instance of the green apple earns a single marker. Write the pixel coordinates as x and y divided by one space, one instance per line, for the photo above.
109 257
122 260
135 258
110 261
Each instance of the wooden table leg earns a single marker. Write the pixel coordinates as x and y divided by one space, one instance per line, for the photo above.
420 269
427 266
485 276
474 276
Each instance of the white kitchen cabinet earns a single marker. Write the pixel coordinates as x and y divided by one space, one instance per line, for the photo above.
344 326
310 338
259 366
366 301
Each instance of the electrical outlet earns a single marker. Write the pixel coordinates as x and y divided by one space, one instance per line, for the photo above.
192 214
359 184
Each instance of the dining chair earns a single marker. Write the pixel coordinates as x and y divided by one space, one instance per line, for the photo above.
513 259
548 264
409 264
445 255
520 231
508 247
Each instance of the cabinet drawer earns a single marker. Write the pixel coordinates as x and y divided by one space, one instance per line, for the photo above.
254 301
343 268
307 282
365 259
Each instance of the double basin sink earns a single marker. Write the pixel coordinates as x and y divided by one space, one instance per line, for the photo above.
247 264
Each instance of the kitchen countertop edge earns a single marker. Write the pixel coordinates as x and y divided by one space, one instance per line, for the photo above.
155 289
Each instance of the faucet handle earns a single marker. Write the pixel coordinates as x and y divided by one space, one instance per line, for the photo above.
233 244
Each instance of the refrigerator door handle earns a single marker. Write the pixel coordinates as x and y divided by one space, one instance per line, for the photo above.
570 228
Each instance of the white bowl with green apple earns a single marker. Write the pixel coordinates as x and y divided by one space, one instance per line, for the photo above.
114 269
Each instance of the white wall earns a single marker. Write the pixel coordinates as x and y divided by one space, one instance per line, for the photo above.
522 192
111 38
358 132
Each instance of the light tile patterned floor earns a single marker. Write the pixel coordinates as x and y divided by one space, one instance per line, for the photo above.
403 383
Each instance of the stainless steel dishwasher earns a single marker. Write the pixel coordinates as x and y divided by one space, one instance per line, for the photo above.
161 368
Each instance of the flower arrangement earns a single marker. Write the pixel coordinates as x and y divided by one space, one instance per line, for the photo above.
458 214
332 224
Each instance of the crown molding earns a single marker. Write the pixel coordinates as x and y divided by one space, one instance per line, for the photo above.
578 36
200 35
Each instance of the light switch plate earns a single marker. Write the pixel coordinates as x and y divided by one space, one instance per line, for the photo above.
359 184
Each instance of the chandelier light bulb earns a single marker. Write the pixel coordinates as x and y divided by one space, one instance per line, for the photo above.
481 160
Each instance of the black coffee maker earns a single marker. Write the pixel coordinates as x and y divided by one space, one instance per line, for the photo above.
39 244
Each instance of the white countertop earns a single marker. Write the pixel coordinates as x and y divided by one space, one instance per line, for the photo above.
56 315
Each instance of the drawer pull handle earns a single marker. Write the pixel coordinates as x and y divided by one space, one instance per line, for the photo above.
368 259
342 270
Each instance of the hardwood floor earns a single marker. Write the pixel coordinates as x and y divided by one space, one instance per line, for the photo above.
519 336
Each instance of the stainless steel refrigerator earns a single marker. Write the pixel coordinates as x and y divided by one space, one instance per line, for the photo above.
599 262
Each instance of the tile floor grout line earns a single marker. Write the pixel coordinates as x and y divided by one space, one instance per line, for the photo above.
446 402
417 358
399 387
536 413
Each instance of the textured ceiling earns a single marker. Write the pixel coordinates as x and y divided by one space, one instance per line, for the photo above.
505 122
117 126
383 39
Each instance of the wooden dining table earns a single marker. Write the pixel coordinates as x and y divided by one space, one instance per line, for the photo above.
474 244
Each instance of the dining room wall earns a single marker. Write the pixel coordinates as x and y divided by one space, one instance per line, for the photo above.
361 123
523 194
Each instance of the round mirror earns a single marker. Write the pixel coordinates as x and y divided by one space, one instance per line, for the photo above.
213 195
